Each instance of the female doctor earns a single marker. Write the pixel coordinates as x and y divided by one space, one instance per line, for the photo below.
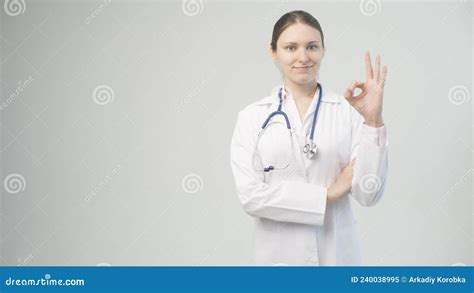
298 155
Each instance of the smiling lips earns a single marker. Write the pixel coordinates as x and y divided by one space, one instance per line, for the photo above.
303 69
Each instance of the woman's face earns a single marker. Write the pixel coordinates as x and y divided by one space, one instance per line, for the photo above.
299 53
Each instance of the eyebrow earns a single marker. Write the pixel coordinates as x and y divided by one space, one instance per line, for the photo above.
293 43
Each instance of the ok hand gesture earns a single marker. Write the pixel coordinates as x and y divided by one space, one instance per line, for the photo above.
369 102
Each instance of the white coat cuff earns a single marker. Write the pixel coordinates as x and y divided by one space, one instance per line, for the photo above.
308 199
376 135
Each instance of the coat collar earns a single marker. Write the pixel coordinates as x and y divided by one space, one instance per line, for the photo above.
328 96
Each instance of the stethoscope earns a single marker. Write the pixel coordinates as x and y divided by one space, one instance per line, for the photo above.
310 148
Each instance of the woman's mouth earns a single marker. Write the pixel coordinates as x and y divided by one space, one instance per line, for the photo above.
303 69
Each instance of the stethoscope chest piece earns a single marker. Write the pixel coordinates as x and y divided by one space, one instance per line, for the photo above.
310 150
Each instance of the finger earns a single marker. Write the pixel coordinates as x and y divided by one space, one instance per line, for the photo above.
361 86
384 75
350 90
348 94
368 66
354 85
377 68
357 84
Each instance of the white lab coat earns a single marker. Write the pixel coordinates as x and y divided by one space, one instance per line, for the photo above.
294 223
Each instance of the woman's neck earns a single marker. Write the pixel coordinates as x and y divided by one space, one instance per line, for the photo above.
301 92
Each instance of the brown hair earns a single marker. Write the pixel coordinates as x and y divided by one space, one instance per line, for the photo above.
292 17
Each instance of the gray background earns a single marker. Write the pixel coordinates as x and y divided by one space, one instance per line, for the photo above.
139 174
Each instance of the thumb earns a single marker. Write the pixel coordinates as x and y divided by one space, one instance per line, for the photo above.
350 165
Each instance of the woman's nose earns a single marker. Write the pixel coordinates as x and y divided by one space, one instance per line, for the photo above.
303 56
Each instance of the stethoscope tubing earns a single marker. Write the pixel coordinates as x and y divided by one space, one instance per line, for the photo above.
310 150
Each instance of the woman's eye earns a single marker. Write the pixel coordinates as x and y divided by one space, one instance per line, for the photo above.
290 48
313 47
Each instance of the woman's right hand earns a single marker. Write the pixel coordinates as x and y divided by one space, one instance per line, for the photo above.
343 183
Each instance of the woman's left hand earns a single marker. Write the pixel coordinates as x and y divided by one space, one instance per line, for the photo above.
369 102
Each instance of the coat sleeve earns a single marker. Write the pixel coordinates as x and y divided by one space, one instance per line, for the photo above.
287 201
369 147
